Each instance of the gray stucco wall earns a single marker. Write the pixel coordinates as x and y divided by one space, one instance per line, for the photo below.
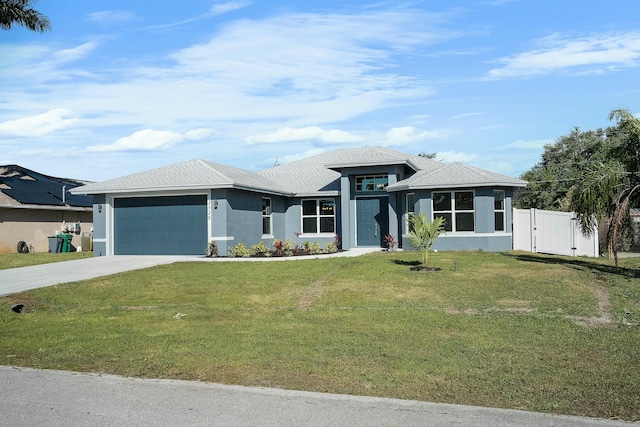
100 225
293 222
484 237
238 219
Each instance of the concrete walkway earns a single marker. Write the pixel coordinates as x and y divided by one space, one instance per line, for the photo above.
15 280
57 398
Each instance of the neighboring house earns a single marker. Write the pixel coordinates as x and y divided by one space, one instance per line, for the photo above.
360 194
33 207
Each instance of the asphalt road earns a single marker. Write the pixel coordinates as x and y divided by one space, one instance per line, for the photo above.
31 397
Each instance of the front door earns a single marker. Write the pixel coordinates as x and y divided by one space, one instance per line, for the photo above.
372 221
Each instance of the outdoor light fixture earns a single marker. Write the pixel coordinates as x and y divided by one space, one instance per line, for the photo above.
99 208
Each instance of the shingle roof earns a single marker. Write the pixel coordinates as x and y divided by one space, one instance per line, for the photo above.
318 174
313 176
374 156
192 174
455 175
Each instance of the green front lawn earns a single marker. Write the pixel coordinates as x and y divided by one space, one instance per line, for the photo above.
15 260
523 331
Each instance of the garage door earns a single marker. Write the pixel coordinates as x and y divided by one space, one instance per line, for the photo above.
174 225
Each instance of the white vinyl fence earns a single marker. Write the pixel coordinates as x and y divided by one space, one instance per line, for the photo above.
551 232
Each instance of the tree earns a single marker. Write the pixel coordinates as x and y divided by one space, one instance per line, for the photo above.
424 234
20 12
607 189
561 166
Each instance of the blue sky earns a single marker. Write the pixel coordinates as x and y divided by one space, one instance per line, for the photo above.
119 87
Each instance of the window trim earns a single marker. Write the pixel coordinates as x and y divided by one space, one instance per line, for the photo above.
372 177
503 211
268 215
318 215
409 210
453 211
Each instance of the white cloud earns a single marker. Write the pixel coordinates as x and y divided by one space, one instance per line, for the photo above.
198 134
150 140
465 115
316 133
299 156
75 53
595 54
408 134
454 156
296 69
40 124
220 8
535 144
110 17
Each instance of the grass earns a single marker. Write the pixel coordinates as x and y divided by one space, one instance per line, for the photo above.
14 260
512 330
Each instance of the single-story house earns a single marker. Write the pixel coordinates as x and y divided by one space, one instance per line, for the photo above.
34 206
359 194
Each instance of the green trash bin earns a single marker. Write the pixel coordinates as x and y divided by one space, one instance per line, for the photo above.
66 242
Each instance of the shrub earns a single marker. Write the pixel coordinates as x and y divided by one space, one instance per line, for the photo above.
239 250
278 245
259 249
315 248
331 248
390 240
289 246
212 249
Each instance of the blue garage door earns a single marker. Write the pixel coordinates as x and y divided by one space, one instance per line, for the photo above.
175 225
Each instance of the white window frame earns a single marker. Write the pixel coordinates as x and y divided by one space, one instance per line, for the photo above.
410 209
360 182
454 211
500 210
318 215
267 213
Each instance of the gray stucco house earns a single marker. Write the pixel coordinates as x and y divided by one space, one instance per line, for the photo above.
360 194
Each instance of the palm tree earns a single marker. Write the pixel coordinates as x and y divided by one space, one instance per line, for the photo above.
20 12
607 188
424 234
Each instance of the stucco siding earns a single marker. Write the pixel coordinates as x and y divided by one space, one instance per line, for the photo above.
34 226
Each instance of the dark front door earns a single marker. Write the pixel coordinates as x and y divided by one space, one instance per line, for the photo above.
372 221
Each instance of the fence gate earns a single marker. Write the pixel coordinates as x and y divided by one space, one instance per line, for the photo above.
551 232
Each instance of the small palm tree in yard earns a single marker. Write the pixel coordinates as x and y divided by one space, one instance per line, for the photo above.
424 233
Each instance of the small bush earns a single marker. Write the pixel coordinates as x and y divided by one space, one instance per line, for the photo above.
259 249
212 249
239 251
331 248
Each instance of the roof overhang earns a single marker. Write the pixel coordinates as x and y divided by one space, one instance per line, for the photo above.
408 187
161 189
49 208
338 166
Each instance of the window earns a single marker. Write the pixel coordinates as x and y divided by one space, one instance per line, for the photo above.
319 216
410 210
266 216
498 208
456 208
371 183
